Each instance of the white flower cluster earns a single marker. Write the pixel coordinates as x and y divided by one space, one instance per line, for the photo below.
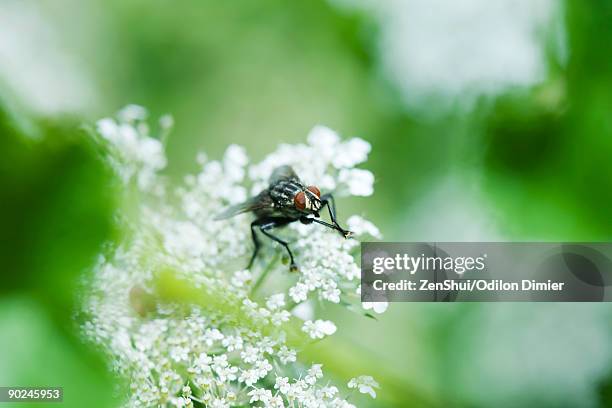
133 152
172 305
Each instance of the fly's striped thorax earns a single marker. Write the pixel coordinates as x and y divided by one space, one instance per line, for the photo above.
283 192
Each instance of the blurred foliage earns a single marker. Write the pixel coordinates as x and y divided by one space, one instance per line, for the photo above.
55 214
55 208
549 149
258 74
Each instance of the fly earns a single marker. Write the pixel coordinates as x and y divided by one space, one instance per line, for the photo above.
286 200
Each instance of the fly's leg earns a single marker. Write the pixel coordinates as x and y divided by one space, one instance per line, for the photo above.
265 229
328 200
328 225
264 226
336 227
256 243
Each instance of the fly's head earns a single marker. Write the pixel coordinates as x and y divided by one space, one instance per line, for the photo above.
308 200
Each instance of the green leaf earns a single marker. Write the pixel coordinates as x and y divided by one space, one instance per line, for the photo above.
56 208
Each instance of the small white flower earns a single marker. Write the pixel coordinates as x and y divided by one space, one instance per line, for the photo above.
278 318
266 345
377 307
201 158
361 226
203 360
241 278
260 394
282 385
150 151
319 328
286 355
250 306
299 292
263 366
220 361
352 152
180 402
184 239
219 403
132 113
166 122
232 343
323 137
276 402
329 392
249 377
296 391
234 160
227 373
359 182
236 155
330 292
250 354
108 129
179 353
365 384
276 301
211 336
313 374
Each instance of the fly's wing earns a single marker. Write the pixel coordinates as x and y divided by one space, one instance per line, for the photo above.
255 204
283 173
234 210
262 203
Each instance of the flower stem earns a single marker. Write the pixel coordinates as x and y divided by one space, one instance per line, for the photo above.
263 274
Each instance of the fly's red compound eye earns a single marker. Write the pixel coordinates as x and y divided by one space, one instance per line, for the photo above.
314 190
300 200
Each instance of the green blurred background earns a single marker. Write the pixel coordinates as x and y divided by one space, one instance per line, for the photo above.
489 121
